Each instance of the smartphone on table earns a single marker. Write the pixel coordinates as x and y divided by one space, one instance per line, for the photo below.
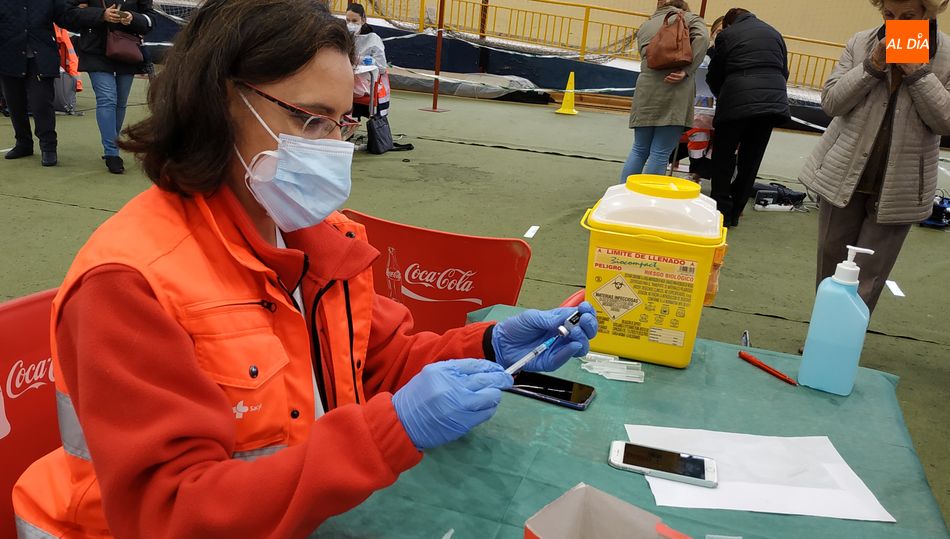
554 390
682 467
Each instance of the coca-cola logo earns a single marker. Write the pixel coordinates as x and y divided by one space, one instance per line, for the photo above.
23 377
451 279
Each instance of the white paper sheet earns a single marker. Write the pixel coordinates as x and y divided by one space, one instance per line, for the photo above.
765 474
895 289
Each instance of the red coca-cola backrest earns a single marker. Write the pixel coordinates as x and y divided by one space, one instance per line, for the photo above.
28 427
441 276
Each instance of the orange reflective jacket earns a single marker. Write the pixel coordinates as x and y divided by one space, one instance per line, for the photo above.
67 55
248 335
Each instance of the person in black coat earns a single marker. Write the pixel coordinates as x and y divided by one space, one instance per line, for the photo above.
748 75
29 61
111 79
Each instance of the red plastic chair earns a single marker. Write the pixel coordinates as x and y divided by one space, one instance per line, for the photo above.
28 425
441 276
574 299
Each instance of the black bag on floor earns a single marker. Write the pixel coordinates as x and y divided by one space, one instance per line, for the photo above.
783 195
64 96
380 135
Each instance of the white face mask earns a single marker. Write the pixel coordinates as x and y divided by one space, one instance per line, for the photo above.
353 27
303 181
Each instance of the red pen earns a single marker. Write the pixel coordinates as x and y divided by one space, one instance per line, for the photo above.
749 358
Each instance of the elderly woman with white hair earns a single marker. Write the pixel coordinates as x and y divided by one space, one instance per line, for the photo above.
875 168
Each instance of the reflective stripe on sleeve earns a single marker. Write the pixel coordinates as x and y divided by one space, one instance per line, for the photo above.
254 454
74 442
25 530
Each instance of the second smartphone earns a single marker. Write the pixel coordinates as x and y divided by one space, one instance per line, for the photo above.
682 467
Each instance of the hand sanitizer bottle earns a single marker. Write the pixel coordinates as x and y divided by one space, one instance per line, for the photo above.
836 332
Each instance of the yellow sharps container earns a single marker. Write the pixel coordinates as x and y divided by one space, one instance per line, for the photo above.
656 245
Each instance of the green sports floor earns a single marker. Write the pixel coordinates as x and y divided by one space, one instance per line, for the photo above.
496 169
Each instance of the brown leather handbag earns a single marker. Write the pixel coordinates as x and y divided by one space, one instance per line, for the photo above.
122 46
670 48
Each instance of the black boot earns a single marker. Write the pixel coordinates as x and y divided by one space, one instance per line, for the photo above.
18 152
49 159
114 164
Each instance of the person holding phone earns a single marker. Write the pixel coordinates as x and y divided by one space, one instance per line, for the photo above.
875 168
224 366
111 78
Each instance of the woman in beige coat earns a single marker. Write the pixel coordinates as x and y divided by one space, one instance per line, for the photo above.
875 168
664 99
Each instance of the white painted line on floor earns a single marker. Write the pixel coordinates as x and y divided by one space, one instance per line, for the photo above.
944 169
532 231
896 290
5 150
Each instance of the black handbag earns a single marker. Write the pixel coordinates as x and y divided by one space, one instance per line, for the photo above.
380 135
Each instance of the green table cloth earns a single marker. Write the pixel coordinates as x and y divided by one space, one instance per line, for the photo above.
492 480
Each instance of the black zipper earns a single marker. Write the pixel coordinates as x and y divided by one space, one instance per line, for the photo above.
349 323
269 305
315 340
290 294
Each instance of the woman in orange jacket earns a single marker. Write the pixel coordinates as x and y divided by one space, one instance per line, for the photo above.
224 367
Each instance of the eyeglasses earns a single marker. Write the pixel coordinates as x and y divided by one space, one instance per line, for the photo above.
315 126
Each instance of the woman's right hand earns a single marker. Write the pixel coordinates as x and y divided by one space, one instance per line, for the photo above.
879 56
449 398
675 77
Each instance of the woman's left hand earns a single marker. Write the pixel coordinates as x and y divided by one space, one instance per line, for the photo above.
517 336
910 68
126 18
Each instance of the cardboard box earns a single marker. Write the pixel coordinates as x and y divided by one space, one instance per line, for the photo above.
585 512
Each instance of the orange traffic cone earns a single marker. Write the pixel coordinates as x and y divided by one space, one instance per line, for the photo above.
567 105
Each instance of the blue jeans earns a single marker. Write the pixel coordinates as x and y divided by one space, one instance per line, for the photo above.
112 94
652 147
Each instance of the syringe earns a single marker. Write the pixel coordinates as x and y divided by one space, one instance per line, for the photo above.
563 331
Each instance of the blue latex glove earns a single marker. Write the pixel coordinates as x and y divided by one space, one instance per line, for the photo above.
448 399
517 336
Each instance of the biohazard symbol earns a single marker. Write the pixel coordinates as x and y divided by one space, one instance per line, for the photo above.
617 298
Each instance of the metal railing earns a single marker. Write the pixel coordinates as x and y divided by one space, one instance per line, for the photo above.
584 34
809 71
406 11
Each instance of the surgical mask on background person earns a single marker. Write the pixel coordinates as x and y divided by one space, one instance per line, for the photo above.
353 27
303 181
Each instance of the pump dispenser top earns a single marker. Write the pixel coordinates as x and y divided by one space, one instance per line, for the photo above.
847 272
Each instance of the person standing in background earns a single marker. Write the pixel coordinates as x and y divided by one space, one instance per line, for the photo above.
368 43
111 79
664 99
29 61
875 168
748 75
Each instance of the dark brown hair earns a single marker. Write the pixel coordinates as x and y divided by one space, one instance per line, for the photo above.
732 15
187 141
357 8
